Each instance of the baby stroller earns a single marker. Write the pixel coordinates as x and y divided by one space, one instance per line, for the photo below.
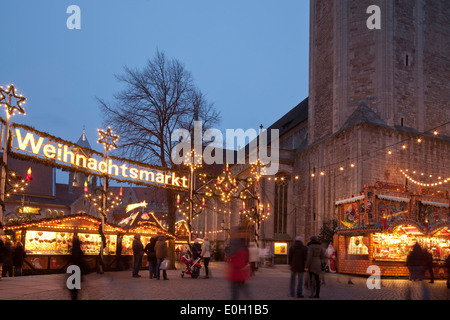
192 267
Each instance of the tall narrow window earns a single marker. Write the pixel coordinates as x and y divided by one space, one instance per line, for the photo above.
281 206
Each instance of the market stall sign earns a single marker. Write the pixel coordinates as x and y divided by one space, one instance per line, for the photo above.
29 210
57 152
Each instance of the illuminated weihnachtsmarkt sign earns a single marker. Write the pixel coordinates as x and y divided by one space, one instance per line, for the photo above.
30 144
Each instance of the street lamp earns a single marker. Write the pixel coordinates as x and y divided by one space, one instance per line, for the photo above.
108 139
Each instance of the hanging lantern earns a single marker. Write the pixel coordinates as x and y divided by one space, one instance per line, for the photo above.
243 205
268 207
120 192
203 202
85 187
178 199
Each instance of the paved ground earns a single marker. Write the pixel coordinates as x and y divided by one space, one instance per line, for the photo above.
268 284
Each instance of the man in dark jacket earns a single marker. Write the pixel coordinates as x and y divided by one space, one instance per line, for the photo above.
138 252
7 268
297 258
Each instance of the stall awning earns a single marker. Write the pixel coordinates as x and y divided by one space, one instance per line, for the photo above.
436 204
350 200
393 198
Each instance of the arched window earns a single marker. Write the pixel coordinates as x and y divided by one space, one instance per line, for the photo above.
281 204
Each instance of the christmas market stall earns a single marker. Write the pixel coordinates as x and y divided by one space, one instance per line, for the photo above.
147 226
182 238
48 242
380 226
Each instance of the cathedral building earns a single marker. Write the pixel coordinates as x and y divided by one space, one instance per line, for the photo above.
377 119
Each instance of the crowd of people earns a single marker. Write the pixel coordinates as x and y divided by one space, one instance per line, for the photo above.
308 259
11 258
307 262
419 262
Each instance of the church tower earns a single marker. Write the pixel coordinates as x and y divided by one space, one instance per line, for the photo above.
77 179
378 83
400 70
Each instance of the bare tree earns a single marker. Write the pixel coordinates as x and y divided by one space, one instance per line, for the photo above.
156 100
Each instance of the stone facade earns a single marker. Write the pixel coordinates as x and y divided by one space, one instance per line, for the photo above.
372 95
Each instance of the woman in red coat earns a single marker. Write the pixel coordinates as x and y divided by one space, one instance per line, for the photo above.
238 266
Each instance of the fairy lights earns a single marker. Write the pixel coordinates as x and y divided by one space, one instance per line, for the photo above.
97 197
440 180
6 101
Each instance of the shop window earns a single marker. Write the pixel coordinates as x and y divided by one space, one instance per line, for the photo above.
358 245
281 205
396 246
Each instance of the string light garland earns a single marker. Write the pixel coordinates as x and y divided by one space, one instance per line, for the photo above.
390 150
96 198
440 181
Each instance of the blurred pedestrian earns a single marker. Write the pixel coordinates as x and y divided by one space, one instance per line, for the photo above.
206 255
161 255
151 257
196 250
314 265
2 252
238 264
138 252
447 264
77 259
428 264
415 263
18 258
253 257
297 255
8 259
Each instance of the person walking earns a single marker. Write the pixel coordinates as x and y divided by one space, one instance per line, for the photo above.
428 261
314 265
206 255
237 272
161 254
447 264
18 258
77 259
151 257
138 252
196 250
2 252
253 257
8 259
414 262
297 255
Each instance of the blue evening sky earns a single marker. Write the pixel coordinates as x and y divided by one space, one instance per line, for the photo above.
250 57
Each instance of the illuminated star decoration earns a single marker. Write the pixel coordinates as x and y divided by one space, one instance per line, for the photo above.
108 139
11 92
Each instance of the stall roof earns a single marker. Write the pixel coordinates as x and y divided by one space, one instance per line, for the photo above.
84 222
